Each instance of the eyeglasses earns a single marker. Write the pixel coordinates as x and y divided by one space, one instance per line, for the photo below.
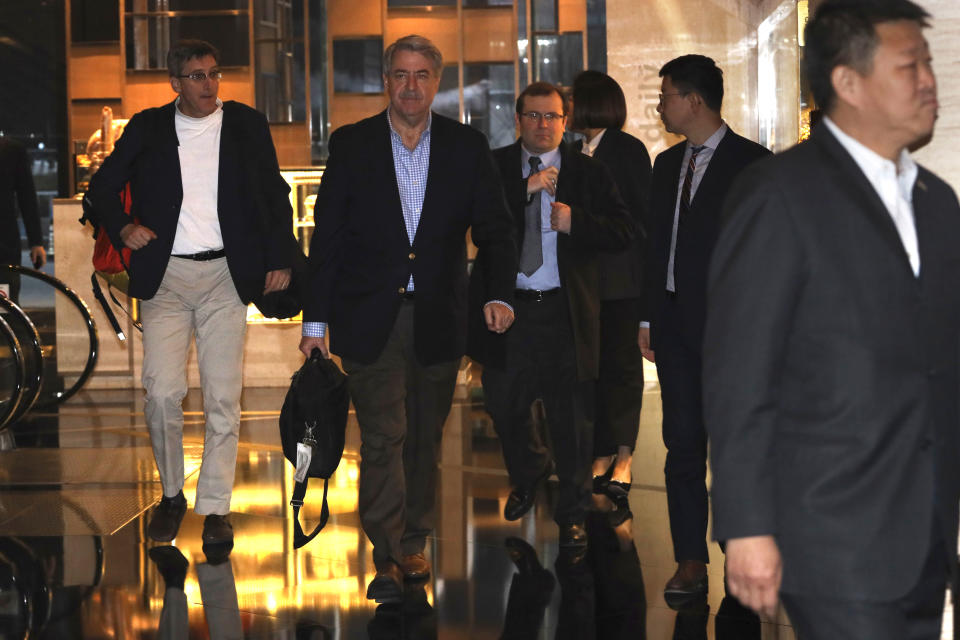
200 76
661 96
536 116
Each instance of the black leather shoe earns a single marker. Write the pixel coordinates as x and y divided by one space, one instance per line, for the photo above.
171 564
217 530
523 555
573 535
387 586
166 518
522 498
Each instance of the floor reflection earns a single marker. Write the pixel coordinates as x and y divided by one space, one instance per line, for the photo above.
83 568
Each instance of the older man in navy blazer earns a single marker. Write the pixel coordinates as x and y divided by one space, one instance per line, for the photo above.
389 279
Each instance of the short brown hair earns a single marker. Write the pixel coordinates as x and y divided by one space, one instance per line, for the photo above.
185 50
540 89
598 102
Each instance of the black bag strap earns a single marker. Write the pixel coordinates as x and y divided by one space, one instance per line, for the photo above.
299 491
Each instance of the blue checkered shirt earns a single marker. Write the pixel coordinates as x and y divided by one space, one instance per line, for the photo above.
411 169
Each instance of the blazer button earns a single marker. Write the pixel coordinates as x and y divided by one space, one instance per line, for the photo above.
412 255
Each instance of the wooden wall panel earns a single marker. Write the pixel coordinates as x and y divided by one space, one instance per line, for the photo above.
292 142
441 26
348 108
573 15
95 71
354 18
489 35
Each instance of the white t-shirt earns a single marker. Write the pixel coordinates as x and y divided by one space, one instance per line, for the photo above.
198 228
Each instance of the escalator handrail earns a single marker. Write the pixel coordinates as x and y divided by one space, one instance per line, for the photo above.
88 320
19 372
27 400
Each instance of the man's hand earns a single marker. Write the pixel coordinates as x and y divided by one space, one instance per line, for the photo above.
136 236
546 179
38 256
499 317
560 217
754 571
277 280
643 341
307 345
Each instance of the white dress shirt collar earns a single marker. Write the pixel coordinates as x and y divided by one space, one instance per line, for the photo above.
590 146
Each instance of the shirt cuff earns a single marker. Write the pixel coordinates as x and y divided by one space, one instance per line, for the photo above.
499 302
313 329
643 325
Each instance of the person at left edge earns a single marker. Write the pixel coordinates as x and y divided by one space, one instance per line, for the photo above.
17 191
202 250
389 277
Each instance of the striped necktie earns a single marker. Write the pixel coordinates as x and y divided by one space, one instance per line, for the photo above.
688 180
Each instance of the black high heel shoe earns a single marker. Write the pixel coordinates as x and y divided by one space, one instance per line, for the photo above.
600 482
618 492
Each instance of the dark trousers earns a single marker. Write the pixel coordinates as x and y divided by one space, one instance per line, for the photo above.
401 407
620 384
541 363
679 361
916 616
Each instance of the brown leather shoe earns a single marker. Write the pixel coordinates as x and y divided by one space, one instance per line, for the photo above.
387 586
415 567
689 581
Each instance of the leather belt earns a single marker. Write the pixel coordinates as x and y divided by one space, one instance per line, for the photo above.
535 295
212 254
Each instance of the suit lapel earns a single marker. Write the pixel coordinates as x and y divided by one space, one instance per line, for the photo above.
921 216
231 155
442 163
382 170
853 181
716 174
169 143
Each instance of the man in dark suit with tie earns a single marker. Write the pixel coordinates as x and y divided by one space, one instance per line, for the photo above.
690 181
566 209
831 349
389 279
17 192
210 231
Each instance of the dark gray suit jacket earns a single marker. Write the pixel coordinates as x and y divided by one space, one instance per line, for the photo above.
830 373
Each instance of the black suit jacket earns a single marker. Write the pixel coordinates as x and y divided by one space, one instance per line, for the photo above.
361 258
600 221
621 273
830 373
252 197
16 188
699 234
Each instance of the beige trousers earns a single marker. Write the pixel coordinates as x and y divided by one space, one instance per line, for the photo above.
195 298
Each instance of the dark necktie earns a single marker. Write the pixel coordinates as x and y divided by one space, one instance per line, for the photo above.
688 181
531 252
684 208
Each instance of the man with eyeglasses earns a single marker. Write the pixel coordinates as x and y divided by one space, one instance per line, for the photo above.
210 231
689 183
389 280
566 208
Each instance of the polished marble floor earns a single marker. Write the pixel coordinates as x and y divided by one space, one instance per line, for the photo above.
75 562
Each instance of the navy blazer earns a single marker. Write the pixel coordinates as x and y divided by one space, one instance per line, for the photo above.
361 258
600 222
253 205
700 229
